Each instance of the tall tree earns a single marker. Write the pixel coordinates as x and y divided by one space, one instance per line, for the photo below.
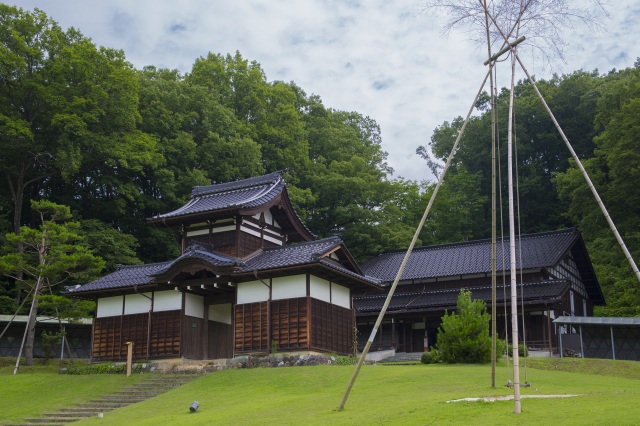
52 254
614 170
64 104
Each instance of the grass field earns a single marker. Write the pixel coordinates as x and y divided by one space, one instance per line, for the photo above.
383 395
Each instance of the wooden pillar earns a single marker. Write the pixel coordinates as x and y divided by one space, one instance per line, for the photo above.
308 277
205 331
129 357
549 332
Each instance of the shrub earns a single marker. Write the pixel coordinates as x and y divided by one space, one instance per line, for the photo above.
463 336
345 360
431 357
522 350
79 369
49 343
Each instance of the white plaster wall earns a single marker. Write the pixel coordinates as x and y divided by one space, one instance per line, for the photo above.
289 287
136 303
194 305
257 234
109 306
340 296
252 291
320 289
170 300
220 313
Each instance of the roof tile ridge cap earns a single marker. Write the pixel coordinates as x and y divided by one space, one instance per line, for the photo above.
178 210
208 253
255 254
266 190
142 265
237 185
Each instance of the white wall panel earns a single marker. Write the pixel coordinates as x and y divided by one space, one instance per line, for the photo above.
289 287
170 300
220 313
109 306
340 296
136 303
194 305
320 289
252 291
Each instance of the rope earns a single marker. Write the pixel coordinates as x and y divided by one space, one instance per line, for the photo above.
524 327
504 283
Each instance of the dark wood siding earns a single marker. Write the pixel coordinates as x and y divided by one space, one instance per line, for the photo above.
193 333
289 323
220 340
331 327
111 334
251 327
165 334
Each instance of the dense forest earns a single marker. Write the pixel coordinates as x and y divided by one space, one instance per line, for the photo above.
81 127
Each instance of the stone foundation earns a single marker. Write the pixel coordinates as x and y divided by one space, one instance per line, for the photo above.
246 361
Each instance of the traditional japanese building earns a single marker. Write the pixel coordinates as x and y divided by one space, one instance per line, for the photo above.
251 277
555 278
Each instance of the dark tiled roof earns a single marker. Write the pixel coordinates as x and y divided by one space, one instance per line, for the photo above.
474 257
246 193
214 259
446 299
289 256
125 276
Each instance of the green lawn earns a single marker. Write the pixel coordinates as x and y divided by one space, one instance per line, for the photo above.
384 395
40 389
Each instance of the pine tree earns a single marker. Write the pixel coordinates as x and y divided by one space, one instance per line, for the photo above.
463 336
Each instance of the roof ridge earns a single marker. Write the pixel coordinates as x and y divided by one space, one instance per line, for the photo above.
237 185
449 290
142 265
304 243
483 241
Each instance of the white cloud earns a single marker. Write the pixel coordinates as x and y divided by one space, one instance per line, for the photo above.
383 59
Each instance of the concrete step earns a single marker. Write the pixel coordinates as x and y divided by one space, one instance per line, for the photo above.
52 420
149 388
77 414
403 357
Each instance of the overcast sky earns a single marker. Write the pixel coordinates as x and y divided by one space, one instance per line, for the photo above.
383 59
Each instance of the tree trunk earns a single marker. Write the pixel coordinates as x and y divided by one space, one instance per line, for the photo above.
31 333
31 324
17 193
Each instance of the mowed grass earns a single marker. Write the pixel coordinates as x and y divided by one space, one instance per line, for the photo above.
40 389
382 395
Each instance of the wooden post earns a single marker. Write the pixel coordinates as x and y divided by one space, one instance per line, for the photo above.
129 357
549 332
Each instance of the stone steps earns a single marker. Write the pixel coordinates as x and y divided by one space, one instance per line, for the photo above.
403 357
149 388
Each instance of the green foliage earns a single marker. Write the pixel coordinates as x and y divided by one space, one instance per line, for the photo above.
49 343
522 350
47 256
463 336
431 357
65 308
7 305
614 170
345 360
108 368
112 245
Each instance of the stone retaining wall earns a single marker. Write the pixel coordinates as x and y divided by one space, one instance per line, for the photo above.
247 361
